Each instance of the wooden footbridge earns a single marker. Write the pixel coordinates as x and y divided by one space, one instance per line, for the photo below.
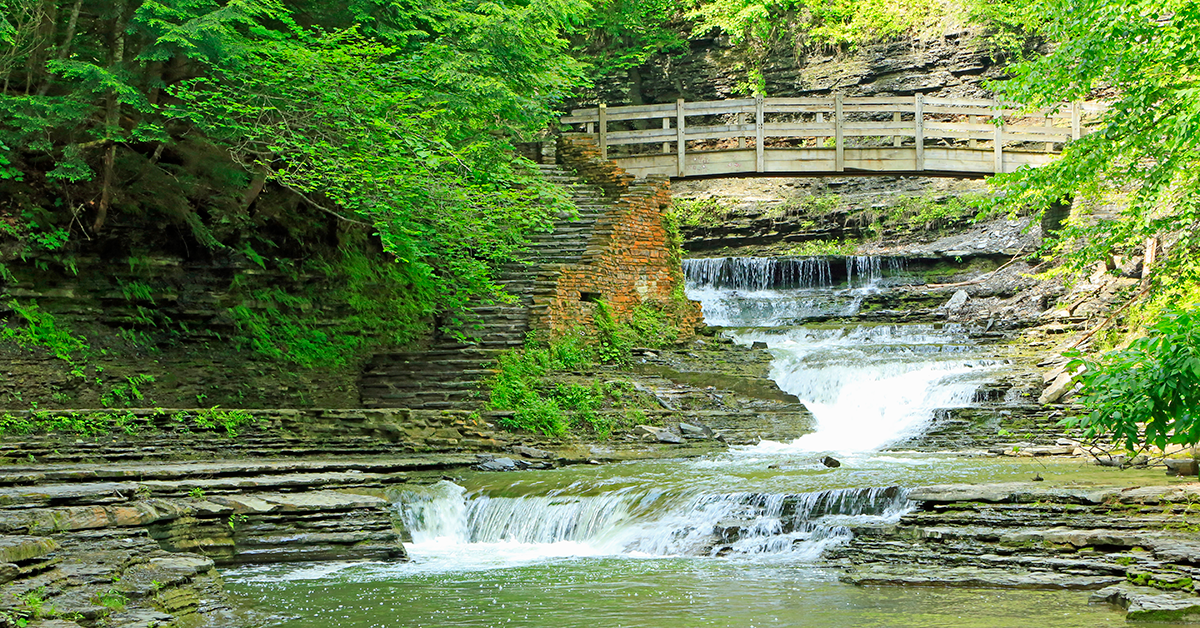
830 136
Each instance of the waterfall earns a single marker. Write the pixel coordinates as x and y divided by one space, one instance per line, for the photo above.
870 386
770 291
758 273
443 519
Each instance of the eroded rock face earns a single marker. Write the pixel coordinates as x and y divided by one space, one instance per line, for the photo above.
1126 543
712 69
142 553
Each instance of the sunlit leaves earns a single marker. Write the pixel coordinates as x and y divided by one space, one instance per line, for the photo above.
1144 57
1148 393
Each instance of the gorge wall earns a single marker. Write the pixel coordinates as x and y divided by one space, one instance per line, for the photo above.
957 63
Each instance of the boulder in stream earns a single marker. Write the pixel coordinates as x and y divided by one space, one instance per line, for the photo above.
695 430
1181 466
660 434
1146 604
497 464
831 462
532 452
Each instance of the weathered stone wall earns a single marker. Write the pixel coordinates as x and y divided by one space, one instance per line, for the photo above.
631 258
178 331
953 64
152 434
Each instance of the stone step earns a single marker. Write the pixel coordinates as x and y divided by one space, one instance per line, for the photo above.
427 405
209 469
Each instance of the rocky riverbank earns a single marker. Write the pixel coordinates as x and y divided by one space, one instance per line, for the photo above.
1136 547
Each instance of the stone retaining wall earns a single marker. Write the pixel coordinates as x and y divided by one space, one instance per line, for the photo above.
631 259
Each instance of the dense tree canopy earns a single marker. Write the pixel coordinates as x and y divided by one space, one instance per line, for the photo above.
1143 58
399 118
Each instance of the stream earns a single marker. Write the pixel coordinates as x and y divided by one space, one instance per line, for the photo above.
729 540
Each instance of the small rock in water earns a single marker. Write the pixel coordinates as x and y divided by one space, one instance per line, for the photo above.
497 464
759 345
1181 466
1037 477
831 462
772 466
532 452
659 434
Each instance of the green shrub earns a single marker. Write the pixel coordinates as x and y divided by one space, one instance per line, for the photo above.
1148 393
41 329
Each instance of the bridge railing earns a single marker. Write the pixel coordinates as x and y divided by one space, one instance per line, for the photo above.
834 123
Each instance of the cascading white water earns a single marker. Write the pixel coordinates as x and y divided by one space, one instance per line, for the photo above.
866 386
766 291
472 530
870 386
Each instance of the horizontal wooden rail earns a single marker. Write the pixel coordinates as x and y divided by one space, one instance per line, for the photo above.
832 134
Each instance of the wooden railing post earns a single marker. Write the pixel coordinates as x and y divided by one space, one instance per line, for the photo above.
603 131
919 131
741 119
896 139
839 147
998 118
1048 123
1076 121
666 127
759 137
680 140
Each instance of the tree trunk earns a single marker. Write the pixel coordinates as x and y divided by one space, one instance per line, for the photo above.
43 38
112 118
64 50
256 187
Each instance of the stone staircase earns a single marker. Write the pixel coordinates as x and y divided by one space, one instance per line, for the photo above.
447 375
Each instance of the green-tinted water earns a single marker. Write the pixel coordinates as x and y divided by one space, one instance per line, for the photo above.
648 544
590 579
651 593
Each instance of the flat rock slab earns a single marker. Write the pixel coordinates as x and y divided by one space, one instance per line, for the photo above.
311 501
276 481
48 520
19 549
179 470
896 575
1150 605
1010 493
66 494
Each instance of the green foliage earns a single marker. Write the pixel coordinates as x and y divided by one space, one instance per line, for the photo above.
617 36
336 310
42 330
523 382
128 393
236 520
112 599
231 119
705 212
816 248
230 421
1143 56
612 341
928 212
1149 392
100 423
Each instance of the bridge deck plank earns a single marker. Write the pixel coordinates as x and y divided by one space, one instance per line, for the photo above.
982 135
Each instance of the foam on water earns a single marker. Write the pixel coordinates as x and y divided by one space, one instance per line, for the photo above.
454 530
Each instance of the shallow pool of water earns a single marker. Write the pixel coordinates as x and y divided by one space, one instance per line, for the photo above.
657 593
